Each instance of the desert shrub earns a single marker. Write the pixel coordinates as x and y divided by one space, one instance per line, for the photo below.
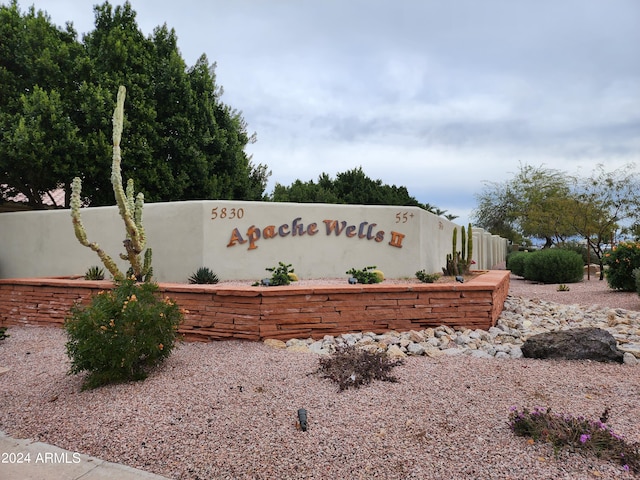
121 334
367 275
554 265
280 274
425 277
636 274
351 367
516 261
580 249
204 276
621 261
576 433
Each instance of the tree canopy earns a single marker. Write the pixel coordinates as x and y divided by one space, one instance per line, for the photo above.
349 187
554 206
57 94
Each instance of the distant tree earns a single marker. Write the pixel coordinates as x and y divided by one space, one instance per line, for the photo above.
601 203
535 203
350 187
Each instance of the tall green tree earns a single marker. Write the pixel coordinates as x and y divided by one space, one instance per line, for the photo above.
39 64
183 142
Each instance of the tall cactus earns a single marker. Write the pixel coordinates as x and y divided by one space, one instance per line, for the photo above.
130 209
459 262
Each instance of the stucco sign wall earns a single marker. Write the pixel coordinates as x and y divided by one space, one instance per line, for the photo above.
239 240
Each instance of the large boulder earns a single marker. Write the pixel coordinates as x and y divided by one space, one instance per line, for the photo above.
575 344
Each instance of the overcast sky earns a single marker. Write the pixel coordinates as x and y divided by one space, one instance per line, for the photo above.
438 96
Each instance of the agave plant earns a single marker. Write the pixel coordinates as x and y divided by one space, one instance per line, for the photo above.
204 275
94 273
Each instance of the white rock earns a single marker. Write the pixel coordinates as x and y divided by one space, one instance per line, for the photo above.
629 359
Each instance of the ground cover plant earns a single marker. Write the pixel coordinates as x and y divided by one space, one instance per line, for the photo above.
121 334
352 367
3 333
576 433
425 277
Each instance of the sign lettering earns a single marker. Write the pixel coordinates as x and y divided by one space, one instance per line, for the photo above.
364 231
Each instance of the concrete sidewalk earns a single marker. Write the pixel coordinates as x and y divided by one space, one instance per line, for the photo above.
29 460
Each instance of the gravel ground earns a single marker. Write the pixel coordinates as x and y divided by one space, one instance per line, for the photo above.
228 410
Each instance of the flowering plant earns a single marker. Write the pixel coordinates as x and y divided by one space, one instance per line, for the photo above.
578 433
621 261
122 333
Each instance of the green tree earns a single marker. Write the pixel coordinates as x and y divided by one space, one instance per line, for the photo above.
350 187
601 203
183 143
535 203
39 65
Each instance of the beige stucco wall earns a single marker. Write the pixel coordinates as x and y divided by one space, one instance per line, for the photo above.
187 235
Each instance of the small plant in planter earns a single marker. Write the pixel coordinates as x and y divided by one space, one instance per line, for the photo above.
283 274
204 276
94 273
366 276
425 277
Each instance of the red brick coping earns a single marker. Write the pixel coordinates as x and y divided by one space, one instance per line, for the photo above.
254 313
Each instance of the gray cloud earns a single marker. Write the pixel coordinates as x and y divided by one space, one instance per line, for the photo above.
421 93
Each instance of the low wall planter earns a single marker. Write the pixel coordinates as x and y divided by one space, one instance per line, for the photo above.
217 312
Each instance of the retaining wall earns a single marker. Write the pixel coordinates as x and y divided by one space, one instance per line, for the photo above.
254 313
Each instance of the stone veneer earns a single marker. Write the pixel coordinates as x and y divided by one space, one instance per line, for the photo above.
217 312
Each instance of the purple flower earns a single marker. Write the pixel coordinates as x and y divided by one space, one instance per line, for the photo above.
625 467
584 437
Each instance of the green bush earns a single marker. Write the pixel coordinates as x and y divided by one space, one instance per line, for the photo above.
636 274
425 277
3 333
516 261
121 334
554 265
622 260
367 275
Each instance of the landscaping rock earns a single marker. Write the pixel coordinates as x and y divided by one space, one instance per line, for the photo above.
574 344
273 343
629 359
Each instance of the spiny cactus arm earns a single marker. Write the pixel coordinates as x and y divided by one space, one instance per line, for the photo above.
81 235
463 239
470 244
116 171
137 217
454 243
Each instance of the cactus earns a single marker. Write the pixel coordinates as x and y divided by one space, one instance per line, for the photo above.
129 207
459 262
